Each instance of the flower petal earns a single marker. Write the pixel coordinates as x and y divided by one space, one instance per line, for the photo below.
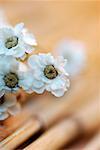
3 108
4 116
2 93
29 39
58 93
18 28
38 84
38 90
26 80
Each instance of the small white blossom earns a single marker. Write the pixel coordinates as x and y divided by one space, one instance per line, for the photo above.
12 78
74 52
49 74
16 41
8 106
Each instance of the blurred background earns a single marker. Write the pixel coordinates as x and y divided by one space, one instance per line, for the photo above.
52 21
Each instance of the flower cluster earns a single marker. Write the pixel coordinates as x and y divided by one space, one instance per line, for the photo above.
42 72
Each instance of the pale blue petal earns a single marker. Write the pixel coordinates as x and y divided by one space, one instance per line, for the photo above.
4 116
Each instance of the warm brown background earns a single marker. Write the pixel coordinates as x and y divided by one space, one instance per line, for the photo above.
52 20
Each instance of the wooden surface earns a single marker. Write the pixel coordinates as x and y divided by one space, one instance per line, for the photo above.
69 129
52 21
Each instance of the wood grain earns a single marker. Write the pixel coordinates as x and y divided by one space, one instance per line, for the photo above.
85 121
94 143
47 116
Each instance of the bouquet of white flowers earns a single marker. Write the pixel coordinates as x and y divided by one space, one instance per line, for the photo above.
41 71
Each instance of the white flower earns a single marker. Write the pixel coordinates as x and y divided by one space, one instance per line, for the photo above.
11 76
16 41
8 106
74 52
49 74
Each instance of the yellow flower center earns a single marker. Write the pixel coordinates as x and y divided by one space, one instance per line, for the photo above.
50 72
11 80
11 42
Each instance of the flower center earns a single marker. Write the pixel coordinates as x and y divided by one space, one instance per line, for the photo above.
11 80
11 42
2 100
50 72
